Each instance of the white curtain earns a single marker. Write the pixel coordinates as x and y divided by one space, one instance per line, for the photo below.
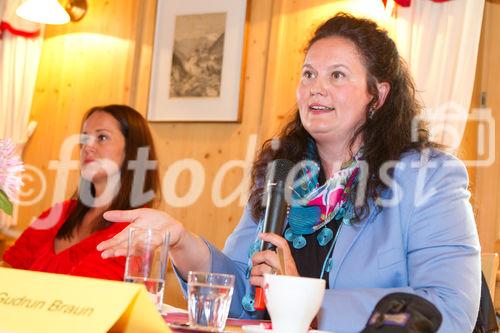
19 57
440 42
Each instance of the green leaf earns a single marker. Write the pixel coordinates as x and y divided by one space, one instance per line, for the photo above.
5 203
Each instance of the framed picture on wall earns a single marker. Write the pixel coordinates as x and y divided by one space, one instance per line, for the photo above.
197 61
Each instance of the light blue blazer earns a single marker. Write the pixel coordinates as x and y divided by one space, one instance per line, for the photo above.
423 241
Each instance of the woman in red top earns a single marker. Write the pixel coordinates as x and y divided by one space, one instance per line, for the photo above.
64 238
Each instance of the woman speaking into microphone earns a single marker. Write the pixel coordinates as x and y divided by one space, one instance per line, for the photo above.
374 209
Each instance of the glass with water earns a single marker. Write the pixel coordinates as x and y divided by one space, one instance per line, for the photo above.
209 299
146 263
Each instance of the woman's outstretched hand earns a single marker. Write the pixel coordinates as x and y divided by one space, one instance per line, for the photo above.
269 261
142 217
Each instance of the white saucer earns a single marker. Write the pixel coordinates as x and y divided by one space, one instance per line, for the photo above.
254 329
260 329
187 328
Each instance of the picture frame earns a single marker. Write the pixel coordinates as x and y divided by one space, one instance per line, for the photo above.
197 61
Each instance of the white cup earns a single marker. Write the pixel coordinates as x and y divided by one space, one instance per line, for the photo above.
292 302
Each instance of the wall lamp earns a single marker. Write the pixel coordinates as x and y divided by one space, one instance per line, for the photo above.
52 11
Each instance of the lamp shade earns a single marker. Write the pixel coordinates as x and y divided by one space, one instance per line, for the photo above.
43 11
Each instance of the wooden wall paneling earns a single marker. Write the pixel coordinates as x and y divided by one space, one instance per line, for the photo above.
487 178
143 55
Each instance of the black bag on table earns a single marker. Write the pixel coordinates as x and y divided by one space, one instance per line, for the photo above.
403 313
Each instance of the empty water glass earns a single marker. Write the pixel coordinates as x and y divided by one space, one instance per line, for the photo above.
146 263
209 299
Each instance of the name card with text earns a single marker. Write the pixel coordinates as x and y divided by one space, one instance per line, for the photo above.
45 302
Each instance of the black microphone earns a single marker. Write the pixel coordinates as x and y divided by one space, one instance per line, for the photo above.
276 210
275 198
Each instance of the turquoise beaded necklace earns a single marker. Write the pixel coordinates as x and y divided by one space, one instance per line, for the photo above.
313 207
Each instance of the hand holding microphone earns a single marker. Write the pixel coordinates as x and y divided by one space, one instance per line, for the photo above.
276 211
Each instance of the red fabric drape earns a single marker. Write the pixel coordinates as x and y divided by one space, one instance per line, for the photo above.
407 3
27 34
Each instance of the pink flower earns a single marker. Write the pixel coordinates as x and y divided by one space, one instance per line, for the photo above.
10 168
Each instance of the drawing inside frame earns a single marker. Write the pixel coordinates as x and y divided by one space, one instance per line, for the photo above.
197 56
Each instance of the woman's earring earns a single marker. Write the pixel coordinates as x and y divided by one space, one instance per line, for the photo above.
371 111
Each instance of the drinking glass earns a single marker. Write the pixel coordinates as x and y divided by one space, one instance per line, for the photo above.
209 299
146 263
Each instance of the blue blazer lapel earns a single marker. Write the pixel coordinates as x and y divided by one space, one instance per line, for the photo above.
347 237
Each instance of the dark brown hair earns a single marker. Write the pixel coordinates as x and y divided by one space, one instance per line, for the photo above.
135 129
386 135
